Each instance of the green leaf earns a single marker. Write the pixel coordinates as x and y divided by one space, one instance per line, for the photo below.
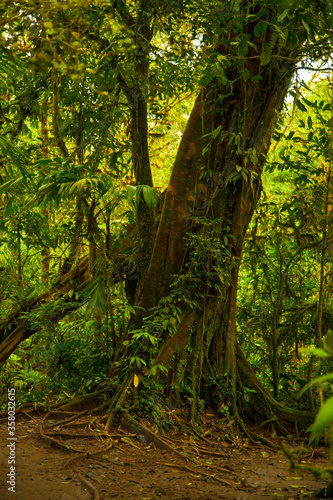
300 106
243 48
150 196
266 53
259 28
7 185
165 324
97 296
216 132
90 323
256 78
328 341
10 210
130 193
309 121
324 418
77 186
320 352
282 15
308 103
206 78
307 27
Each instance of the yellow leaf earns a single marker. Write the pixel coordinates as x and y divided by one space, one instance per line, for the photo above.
136 380
48 25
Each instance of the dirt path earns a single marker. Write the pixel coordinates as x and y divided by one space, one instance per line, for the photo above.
131 469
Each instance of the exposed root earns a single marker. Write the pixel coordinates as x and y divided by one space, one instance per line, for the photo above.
71 435
86 454
54 442
137 428
28 416
90 486
81 403
197 472
51 415
18 410
67 420
256 438
262 405
213 466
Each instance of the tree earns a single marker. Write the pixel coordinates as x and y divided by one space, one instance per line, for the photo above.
187 269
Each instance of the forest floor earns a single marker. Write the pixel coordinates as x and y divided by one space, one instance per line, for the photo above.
219 465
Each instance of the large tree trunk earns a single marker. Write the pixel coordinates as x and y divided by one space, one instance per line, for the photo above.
213 191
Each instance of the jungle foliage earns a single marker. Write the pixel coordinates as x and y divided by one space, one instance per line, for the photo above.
165 206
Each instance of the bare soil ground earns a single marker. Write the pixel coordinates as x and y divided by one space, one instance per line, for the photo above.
126 466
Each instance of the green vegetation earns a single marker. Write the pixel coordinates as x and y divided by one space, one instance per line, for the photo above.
166 208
